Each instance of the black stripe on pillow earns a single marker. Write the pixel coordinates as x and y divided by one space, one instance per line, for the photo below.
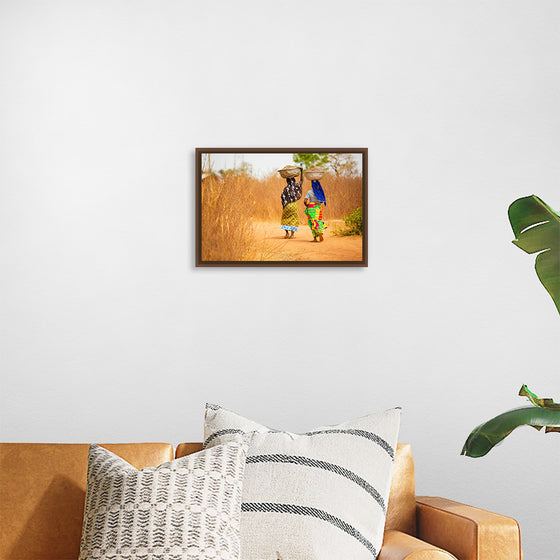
222 433
315 463
360 433
312 512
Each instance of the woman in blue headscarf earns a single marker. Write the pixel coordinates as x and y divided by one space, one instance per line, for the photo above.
314 211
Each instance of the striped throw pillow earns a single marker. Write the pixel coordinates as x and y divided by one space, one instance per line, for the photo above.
320 495
187 509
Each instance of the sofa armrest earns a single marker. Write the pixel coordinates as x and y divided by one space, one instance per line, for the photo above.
401 546
467 532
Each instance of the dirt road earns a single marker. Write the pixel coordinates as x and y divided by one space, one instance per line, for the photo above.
302 248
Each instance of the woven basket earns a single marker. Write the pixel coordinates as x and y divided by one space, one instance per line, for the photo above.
289 171
314 173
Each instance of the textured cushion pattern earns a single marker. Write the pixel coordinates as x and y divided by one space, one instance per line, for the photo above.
321 494
188 508
42 494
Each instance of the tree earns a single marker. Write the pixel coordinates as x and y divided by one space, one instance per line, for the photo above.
243 170
311 160
343 164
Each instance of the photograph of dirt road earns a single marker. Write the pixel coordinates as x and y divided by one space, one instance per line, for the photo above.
281 207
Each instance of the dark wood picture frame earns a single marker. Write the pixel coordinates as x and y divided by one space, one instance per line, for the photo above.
267 263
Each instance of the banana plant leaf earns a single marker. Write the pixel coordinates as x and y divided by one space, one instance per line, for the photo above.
544 413
536 227
542 403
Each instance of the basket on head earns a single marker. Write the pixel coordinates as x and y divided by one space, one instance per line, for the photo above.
289 171
314 173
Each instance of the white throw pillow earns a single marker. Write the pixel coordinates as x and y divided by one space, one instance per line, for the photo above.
320 495
184 509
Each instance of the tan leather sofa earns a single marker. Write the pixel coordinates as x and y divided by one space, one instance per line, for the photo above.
42 491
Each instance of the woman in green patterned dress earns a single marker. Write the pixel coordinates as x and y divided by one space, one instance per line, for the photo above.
314 211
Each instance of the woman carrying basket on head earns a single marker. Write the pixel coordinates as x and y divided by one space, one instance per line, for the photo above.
290 195
313 209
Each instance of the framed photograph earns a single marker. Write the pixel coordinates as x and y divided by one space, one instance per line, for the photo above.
281 207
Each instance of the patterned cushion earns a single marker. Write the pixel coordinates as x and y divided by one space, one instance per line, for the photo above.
313 496
185 509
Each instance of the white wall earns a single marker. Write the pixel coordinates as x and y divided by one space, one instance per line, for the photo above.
109 333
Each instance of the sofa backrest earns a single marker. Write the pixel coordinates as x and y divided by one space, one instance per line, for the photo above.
401 510
42 493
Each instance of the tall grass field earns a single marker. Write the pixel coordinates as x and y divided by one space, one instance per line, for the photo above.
232 205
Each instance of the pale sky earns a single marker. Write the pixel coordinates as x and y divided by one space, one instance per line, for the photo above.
262 164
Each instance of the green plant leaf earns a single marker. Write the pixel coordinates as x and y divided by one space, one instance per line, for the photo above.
484 437
536 227
542 403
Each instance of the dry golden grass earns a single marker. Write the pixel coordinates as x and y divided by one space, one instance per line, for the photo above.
226 226
231 205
